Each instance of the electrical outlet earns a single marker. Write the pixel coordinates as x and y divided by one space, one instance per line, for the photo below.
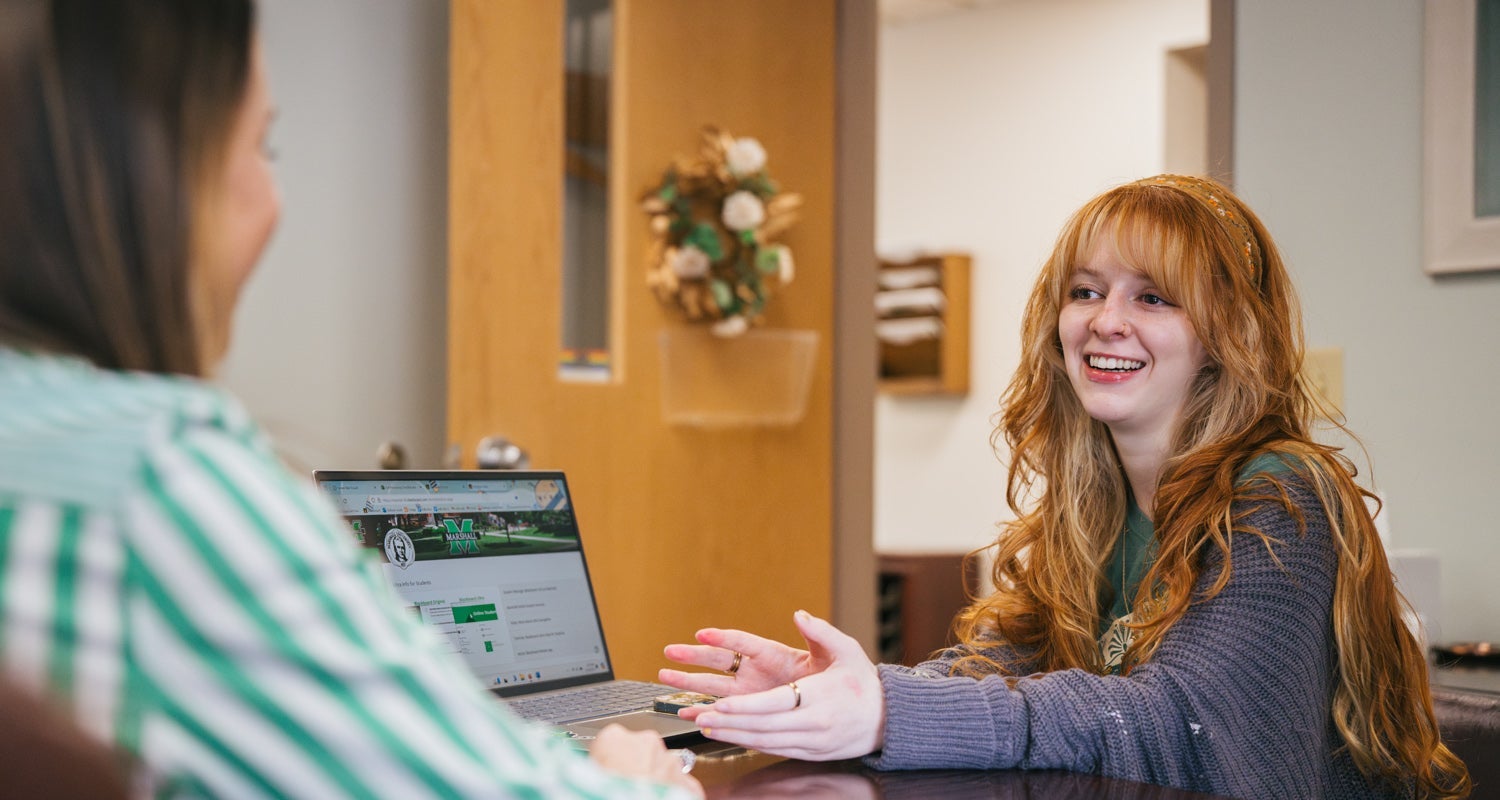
1324 369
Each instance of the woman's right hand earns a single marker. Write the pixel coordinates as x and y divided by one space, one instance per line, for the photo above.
835 709
763 663
641 754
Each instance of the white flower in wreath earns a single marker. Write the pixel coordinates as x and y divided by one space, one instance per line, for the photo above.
785 269
730 327
743 211
689 263
745 157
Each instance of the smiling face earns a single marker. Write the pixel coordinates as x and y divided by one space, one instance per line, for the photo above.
1130 352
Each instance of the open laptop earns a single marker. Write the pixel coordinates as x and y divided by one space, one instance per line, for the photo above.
493 561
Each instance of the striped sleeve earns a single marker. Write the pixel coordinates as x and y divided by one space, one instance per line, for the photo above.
59 620
267 660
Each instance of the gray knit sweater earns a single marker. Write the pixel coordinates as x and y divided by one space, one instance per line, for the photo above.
1236 701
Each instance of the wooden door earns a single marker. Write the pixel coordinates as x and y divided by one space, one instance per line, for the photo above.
683 527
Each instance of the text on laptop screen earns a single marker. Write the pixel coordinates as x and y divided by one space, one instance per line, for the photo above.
493 565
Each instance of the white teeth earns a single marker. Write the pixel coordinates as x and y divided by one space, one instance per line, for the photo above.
1100 362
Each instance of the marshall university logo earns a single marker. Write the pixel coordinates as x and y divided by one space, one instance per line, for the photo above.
462 541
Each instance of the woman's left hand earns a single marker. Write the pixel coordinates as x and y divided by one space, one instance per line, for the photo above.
836 713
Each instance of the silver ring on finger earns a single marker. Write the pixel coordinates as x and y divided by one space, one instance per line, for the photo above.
687 757
796 695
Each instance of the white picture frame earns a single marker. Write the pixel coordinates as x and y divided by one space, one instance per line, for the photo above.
1454 239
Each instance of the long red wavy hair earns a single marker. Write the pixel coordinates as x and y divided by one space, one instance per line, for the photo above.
1068 491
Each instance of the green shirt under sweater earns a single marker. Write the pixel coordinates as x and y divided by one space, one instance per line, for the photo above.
1133 556
1132 559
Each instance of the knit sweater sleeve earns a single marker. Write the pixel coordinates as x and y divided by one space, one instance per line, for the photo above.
1236 699
1017 661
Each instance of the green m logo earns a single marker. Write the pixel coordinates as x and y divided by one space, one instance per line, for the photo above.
461 541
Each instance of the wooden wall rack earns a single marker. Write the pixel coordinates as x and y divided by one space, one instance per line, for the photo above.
922 325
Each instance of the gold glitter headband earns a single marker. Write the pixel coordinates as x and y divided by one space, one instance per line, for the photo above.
1233 222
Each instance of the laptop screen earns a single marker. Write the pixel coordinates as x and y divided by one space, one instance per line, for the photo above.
491 561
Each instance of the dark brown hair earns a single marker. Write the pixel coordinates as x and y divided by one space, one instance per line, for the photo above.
114 113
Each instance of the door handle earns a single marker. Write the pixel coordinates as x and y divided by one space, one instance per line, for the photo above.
498 452
391 455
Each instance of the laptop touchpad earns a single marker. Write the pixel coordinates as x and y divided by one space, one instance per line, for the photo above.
669 726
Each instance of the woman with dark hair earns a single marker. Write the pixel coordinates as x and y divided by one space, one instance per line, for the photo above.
162 577
1192 592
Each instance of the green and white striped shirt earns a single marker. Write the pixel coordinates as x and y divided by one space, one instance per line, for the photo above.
196 605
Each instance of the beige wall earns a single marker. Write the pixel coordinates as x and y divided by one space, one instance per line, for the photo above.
1329 149
994 125
339 340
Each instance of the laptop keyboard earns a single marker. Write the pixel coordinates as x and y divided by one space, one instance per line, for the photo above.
586 702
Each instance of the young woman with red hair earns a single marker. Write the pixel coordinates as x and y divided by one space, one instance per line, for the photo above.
1192 592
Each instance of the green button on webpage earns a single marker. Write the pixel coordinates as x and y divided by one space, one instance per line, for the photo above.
475 613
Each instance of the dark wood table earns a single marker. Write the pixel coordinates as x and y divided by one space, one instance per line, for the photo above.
732 772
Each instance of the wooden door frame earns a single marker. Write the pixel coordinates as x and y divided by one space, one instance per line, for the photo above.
854 355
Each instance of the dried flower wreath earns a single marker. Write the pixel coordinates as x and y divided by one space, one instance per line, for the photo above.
713 220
